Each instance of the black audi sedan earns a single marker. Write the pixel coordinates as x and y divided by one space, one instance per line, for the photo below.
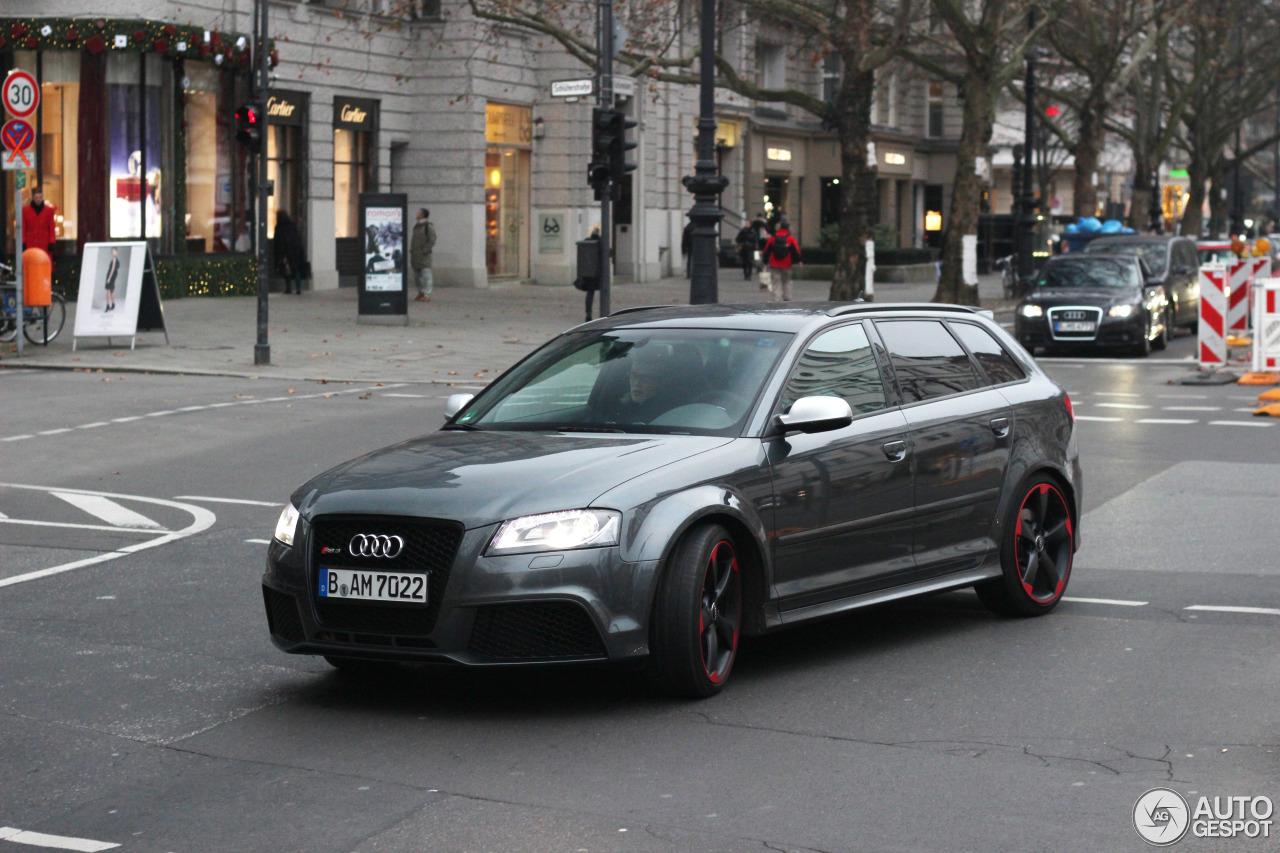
1090 301
1170 261
650 487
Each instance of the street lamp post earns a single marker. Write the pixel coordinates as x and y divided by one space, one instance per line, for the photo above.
1027 205
262 349
706 183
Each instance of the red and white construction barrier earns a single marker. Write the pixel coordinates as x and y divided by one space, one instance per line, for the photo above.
1244 273
1214 283
1266 322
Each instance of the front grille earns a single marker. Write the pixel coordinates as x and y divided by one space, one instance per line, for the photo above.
283 620
535 631
430 546
1074 314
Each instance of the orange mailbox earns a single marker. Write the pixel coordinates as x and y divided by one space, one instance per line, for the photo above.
37 278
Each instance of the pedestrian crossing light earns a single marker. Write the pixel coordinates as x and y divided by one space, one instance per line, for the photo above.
249 127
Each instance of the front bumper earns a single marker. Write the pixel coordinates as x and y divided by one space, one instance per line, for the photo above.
564 606
1111 332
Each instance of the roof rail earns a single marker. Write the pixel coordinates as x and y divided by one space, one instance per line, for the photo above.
859 307
640 308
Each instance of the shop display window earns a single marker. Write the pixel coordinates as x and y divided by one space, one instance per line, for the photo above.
211 223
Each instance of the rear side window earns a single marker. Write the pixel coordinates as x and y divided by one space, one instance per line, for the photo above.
839 363
993 359
1185 254
926 359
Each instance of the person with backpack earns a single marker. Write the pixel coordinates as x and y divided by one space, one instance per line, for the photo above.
748 247
781 251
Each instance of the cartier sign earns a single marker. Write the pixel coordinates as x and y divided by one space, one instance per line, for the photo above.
354 113
286 107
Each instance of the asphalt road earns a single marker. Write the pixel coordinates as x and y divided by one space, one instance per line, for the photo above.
142 704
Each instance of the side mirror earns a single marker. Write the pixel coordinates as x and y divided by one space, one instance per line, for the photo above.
816 414
455 403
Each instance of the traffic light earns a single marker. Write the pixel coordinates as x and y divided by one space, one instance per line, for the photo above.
601 145
619 145
249 127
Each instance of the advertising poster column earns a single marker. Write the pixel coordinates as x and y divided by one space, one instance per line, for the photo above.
383 281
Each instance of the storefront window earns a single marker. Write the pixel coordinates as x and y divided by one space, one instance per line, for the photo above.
284 146
210 225
135 168
60 108
509 132
354 122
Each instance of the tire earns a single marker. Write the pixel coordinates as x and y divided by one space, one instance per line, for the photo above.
1162 342
1142 348
697 615
34 327
8 330
1037 546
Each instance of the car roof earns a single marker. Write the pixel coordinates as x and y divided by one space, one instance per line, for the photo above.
1126 239
788 317
1094 256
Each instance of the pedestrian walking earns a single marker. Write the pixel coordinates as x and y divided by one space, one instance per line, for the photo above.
420 248
782 250
748 242
39 226
289 252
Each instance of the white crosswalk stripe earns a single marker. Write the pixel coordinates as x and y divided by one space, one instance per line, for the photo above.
108 510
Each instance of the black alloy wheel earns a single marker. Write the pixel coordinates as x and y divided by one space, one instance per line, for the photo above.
1037 546
697 615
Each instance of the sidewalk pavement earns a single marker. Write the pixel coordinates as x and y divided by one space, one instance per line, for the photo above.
462 336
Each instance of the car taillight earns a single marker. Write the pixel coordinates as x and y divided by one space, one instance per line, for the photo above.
1071 412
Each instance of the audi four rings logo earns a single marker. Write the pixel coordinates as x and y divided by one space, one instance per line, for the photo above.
375 545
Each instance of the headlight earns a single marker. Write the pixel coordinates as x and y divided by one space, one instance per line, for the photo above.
557 531
1031 311
287 525
1121 311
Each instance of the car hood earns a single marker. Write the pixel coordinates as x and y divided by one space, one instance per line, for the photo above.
1099 297
481 477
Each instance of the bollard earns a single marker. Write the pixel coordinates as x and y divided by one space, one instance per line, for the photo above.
1213 313
37 278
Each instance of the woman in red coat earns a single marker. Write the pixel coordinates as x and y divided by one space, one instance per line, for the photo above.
38 225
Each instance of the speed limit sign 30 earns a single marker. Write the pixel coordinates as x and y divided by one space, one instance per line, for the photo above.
21 94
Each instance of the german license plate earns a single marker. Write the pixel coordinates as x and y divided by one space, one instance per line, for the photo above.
373 586
1074 326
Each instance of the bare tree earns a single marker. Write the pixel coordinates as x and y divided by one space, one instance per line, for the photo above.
864 34
981 50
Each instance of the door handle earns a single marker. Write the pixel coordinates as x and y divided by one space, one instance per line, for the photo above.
896 451
1000 426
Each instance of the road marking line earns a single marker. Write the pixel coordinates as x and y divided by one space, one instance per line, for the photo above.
92 425
226 500
70 526
1192 408
159 414
1183 396
258 541
191 408
415 396
1116 394
203 520
1182 421
17 437
1116 601
1266 611
1102 420
1122 406
108 510
55 431
60 842
1239 423
126 420
2 515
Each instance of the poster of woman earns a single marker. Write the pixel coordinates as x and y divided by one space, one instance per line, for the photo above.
110 289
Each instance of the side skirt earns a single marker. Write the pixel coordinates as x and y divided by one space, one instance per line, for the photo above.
778 619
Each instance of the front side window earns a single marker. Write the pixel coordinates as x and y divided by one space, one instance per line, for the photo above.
839 363
926 359
673 381
999 366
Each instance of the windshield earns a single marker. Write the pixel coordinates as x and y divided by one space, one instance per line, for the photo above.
1153 253
674 381
1222 255
1089 272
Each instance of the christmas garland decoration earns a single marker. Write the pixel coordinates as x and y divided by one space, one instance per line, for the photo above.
96 35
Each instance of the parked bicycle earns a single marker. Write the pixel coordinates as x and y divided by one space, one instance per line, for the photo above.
41 324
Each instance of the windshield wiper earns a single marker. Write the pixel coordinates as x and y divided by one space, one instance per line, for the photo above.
467 427
588 429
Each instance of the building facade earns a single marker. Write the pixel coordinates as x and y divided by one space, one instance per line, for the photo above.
137 135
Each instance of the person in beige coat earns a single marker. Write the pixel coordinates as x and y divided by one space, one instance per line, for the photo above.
420 246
